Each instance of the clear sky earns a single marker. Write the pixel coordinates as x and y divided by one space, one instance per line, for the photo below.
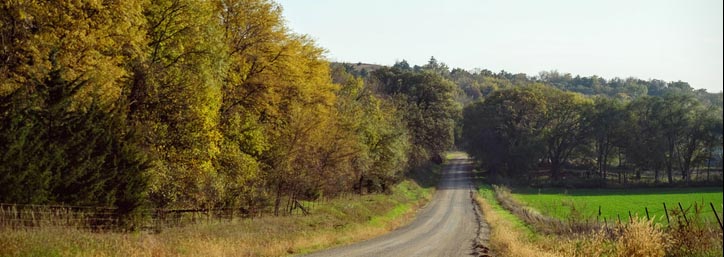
662 39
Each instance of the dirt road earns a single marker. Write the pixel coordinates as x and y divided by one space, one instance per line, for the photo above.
447 226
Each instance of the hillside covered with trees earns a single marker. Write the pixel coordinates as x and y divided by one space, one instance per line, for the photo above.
516 124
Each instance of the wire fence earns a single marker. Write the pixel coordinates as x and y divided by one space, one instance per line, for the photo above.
698 215
623 177
18 216
705 212
31 215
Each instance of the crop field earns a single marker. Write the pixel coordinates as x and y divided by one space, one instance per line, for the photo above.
616 204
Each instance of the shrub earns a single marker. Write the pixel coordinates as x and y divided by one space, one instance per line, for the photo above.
641 238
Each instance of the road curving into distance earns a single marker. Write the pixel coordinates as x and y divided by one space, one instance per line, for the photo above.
448 226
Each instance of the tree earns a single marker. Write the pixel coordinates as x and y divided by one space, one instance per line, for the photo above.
675 115
426 99
646 145
381 139
713 135
695 133
504 131
566 127
84 41
63 71
175 98
54 153
607 125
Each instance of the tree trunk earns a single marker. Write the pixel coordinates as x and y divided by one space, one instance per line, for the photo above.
685 166
604 165
638 174
278 200
555 170
656 174
669 161
708 165
359 184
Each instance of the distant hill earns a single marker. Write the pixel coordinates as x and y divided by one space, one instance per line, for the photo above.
359 68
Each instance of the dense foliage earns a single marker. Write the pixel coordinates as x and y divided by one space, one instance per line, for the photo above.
197 104
517 124
522 129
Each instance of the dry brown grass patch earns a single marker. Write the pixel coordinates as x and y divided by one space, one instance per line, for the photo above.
505 238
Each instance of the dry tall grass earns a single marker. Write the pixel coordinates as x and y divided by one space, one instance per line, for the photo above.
641 238
338 221
638 238
506 240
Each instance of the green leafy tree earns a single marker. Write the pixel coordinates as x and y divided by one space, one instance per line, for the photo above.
607 125
646 145
175 97
566 128
505 130
54 153
426 101
674 116
381 141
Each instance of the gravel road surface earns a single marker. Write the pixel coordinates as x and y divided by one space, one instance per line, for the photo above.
448 226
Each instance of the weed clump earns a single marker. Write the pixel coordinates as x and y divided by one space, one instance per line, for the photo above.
641 238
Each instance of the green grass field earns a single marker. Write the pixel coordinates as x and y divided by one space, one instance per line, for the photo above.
584 203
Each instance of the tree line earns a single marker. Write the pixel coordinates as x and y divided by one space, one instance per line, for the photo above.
198 104
516 124
519 130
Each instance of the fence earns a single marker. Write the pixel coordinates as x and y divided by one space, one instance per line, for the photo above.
623 177
16 216
30 215
702 215
672 214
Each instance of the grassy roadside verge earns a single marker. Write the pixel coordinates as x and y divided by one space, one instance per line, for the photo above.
335 222
510 236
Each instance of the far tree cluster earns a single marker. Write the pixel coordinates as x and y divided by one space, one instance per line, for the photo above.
517 131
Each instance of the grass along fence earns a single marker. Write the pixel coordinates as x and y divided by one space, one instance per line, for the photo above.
696 213
31 215
610 204
18 216
333 221
686 233
703 214
15 216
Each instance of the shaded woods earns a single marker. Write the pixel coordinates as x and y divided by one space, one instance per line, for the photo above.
518 131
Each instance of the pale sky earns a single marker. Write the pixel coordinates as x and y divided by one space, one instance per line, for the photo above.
662 39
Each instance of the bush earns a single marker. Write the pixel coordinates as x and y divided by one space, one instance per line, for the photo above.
641 238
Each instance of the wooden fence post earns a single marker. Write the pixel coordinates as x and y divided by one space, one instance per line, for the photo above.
619 218
717 216
630 218
647 213
668 222
683 213
599 213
